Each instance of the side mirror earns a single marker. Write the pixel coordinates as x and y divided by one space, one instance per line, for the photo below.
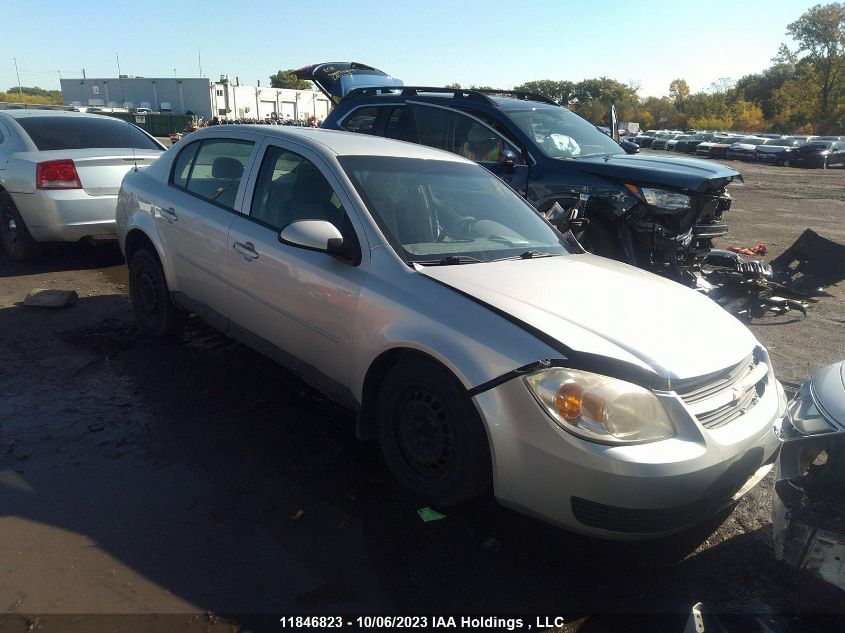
509 160
313 235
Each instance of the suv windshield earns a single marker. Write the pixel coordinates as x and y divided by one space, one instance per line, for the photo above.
435 212
560 133
60 132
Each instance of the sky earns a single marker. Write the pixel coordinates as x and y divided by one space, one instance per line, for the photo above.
494 42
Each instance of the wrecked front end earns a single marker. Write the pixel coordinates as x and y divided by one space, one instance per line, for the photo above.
809 500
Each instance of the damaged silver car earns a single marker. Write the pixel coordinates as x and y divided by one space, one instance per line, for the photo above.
809 500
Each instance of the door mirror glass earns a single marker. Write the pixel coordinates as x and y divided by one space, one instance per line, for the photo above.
509 160
314 235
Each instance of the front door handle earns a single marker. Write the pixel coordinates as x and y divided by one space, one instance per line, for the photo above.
247 249
170 214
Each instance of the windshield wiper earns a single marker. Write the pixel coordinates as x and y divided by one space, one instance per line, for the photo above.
449 260
527 255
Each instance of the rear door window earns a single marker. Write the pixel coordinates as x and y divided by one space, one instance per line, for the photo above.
70 132
214 171
362 120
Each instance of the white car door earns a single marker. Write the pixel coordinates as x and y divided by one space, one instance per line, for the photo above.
204 186
301 301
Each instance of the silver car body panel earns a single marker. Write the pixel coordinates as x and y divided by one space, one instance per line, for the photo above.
481 321
65 215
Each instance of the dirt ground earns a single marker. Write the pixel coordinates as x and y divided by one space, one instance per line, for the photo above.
193 477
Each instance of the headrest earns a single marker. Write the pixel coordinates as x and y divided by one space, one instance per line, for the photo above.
226 167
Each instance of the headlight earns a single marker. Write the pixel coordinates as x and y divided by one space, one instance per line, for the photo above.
665 199
599 408
804 416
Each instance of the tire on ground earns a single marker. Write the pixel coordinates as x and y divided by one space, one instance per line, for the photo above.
154 309
15 238
431 436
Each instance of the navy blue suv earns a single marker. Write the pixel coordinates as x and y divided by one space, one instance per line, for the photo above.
659 213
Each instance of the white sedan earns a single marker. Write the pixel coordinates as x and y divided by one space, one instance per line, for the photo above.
59 176
483 348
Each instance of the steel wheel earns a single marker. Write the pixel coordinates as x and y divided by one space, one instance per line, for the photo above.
151 302
431 435
15 238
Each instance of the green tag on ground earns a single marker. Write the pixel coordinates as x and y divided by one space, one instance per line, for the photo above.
428 514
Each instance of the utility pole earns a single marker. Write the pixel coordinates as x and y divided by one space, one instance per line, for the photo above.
199 59
122 93
20 90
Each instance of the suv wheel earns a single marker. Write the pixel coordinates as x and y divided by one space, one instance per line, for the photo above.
431 435
17 242
154 309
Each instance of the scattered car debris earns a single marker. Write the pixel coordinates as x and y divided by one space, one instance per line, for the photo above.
50 298
429 514
809 499
752 288
759 249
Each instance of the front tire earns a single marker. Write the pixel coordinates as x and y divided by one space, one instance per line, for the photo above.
431 435
154 309
15 238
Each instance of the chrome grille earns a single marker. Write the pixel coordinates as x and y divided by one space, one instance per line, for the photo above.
722 397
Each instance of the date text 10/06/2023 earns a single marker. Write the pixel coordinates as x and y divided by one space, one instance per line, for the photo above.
422 622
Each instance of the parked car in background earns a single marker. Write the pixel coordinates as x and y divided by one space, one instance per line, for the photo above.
672 144
745 149
661 141
413 286
703 148
695 140
551 156
777 151
643 140
59 176
720 149
819 154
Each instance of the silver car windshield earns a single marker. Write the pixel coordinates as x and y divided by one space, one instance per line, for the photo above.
560 133
443 212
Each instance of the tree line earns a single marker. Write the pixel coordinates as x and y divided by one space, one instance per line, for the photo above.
803 91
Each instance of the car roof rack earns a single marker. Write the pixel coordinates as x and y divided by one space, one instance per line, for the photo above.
480 96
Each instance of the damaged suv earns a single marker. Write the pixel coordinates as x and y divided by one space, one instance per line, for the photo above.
658 213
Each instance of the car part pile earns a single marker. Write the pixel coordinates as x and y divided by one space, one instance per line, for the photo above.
752 288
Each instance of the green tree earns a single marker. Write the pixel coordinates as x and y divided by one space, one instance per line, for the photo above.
454 85
286 79
820 33
679 91
558 91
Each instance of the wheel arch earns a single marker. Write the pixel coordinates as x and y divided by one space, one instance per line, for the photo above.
136 239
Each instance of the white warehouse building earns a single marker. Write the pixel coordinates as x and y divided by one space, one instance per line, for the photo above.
199 96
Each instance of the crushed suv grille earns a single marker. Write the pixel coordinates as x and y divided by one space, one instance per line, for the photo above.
722 397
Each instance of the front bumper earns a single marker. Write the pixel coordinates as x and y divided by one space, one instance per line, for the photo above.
67 215
625 492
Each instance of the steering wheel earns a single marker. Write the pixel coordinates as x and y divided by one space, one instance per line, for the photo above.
456 230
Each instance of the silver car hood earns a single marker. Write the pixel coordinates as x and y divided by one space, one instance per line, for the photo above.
600 306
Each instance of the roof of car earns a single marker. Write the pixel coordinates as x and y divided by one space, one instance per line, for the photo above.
339 143
22 114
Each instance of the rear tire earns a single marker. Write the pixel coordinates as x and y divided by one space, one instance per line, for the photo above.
431 435
16 240
154 309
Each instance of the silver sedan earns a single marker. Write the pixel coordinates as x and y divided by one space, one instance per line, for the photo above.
483 349
59 176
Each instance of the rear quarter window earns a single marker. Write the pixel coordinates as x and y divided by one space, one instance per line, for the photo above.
362 120
59 132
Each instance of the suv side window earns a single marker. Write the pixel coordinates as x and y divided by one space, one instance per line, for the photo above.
362 120
458 133
214 170
398 124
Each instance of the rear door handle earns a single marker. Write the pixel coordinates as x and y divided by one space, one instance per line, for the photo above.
170 214
246 249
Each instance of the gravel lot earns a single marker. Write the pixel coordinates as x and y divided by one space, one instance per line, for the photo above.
144 476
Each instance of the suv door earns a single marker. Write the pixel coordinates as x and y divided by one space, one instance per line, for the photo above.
470 137
298 300
206 178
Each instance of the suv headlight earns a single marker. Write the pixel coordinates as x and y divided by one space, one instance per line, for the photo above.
665 199
599 408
